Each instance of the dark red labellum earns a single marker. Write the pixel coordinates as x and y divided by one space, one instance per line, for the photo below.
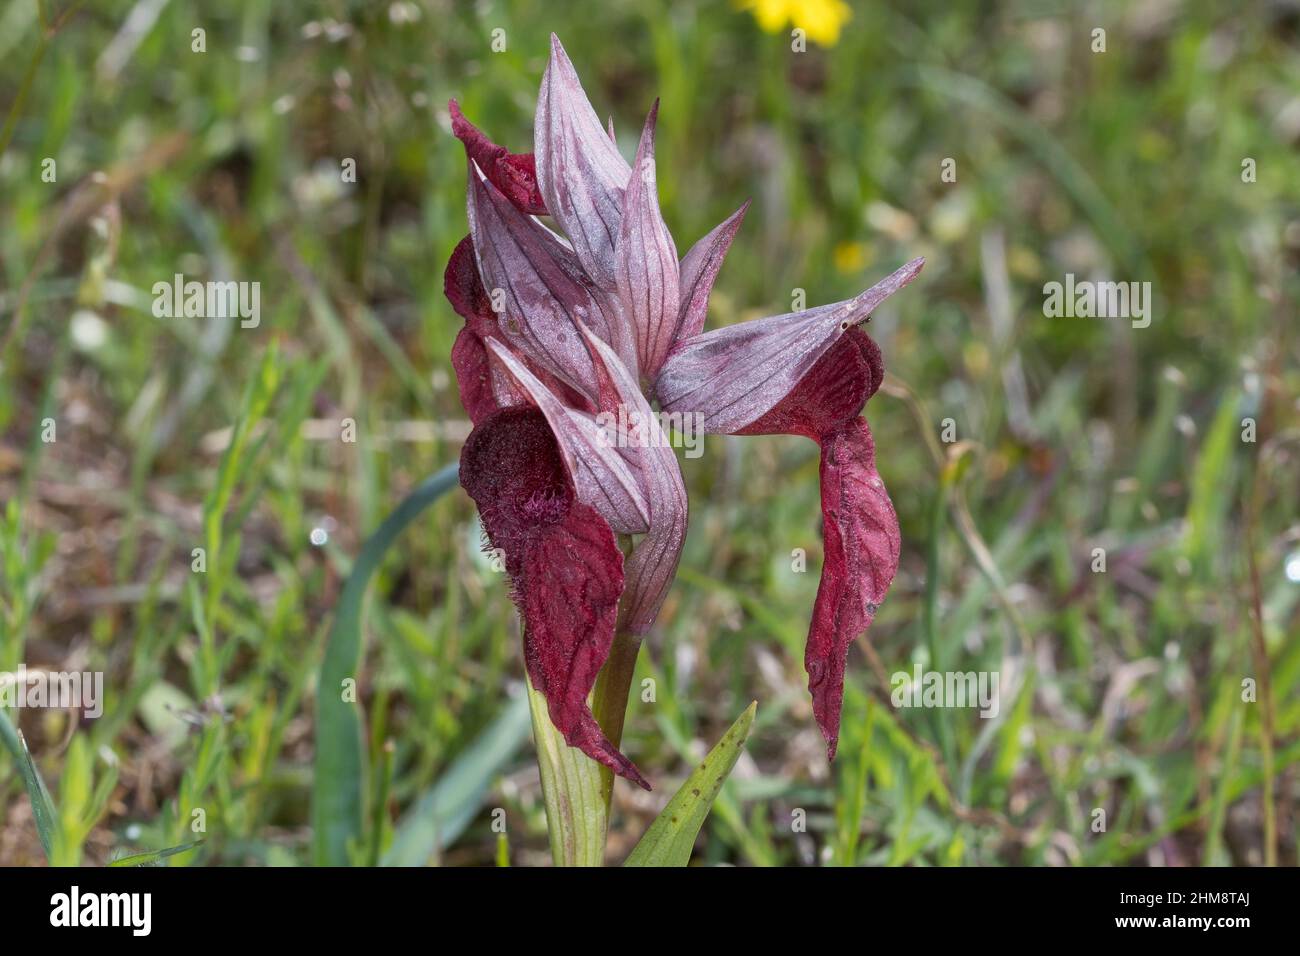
565 567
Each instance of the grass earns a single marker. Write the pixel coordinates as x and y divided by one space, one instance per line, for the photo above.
1121 690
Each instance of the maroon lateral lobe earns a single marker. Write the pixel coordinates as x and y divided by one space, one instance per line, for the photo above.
464 289
469 358
833 391
565 567
515 174
473 368
482 388
860 532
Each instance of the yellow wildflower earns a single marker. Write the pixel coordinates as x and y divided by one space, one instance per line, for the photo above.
852 257
821 20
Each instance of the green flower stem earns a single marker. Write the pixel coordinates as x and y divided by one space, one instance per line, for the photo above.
609 699
576 788
571 785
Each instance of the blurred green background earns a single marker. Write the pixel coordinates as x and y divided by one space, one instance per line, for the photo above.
1122 689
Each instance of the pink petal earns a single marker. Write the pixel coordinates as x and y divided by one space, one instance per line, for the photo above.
734 375
539 285
699 269
515 174
600 471
651 566
645 260
564 563
580 171
862 543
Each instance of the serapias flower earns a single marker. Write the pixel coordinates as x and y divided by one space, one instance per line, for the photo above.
563 334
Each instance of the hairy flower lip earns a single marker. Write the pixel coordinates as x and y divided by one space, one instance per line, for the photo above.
565 566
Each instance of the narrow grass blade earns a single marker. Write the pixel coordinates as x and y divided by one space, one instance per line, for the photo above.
339 784
42 805
671 838
153 856
443 812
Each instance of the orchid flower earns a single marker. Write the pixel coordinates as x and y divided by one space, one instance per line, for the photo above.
565 333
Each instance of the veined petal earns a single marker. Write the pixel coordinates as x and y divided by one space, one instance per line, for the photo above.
515 174
564 563
861 543
699 269
580 171
645 260
651 566
538 284
734 375
833 391
600 473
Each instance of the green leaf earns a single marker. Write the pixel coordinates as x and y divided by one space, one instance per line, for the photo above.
671 838
441 814
576 821
42 805
339 786
1212 487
